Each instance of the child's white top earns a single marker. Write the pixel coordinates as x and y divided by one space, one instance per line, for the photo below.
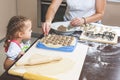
14 50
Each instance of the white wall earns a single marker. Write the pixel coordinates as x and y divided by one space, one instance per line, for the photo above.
7 10
112 14
28 8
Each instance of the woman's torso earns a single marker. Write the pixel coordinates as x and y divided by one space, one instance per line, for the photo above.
79 8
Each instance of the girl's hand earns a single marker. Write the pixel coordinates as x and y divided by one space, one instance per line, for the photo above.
46 27
77 22
22 53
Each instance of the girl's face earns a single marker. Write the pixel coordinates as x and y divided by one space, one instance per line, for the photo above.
27 30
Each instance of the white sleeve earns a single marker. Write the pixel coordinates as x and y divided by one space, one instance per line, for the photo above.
13 51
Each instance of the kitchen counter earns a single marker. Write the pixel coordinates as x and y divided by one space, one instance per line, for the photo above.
113 0
102 63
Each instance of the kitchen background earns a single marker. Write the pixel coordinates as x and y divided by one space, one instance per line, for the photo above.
29 8
32 9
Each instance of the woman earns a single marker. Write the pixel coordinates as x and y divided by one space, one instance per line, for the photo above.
78 12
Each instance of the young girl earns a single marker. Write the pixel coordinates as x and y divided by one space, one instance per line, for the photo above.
18 29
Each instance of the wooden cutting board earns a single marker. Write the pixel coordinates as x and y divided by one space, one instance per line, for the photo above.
69 68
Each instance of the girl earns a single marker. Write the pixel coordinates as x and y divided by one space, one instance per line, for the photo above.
18 29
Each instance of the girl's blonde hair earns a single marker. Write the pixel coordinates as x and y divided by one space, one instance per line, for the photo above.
15 25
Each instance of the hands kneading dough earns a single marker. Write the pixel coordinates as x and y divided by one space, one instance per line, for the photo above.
37 59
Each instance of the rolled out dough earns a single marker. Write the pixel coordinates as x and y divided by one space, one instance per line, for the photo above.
52 68
37 59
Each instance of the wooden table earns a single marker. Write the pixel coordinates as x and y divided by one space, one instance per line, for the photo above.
102 63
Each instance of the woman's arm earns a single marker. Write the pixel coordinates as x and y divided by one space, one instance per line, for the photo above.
100 8
52 9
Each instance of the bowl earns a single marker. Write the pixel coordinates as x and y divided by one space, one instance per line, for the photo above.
66 24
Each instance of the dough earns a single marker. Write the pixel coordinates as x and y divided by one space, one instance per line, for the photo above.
62 28
43 65
36 59
52 68
101 34
56 41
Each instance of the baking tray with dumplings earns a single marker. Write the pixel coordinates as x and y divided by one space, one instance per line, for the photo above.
57 42
99 33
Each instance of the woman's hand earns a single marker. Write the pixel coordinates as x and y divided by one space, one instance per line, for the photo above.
46 27
77 22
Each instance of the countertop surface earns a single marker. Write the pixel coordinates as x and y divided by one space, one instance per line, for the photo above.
74 60
113 0
101 63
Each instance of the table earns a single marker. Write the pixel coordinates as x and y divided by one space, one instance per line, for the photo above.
102 63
